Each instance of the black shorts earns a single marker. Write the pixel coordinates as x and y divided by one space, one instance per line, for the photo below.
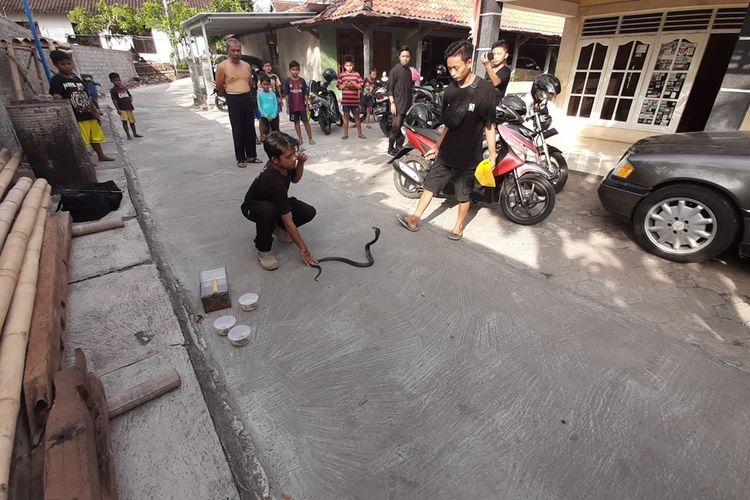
350 109
440 175
367 101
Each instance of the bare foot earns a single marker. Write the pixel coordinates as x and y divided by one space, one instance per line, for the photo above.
106 158
362 136
311 141
367 125
130 138
137 135
344 137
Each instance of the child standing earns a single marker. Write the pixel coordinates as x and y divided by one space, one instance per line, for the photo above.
295 91
267 202
368 94
123 102
67 85
350 83
275 80
268 105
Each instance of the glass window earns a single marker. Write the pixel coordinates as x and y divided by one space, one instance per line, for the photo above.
623 83
587 79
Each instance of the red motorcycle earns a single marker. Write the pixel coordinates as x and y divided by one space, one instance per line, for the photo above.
523 187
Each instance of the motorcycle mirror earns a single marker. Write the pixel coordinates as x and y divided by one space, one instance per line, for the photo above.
421 78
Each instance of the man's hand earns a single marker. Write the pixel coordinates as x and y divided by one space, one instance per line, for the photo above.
485 60
431 154
307 258
393 108
301 158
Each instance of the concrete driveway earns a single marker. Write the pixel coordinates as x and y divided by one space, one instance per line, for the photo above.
552 361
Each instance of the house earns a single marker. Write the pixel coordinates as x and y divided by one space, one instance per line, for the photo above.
635 68
318 34
51 19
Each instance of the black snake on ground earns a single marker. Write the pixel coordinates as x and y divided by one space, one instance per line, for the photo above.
368 254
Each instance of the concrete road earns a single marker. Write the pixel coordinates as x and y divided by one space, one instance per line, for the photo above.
553 361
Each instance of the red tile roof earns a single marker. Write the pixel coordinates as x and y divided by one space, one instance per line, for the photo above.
531 22
65 6
456 12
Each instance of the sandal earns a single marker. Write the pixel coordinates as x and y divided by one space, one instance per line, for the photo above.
344 137
241 164
402 219
362 136
254 160
455 236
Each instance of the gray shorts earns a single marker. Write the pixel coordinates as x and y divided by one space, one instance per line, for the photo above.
440 175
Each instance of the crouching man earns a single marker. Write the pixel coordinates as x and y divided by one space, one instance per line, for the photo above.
268 204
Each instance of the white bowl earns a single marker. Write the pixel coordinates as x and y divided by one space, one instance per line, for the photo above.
223 324
249 301
239 335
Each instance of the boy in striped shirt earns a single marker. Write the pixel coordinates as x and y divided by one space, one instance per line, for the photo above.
350 83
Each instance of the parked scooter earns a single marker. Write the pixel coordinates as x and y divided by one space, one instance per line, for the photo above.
324 106
536 127
523 188
381 106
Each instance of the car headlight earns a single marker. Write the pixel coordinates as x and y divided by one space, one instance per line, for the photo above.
623 170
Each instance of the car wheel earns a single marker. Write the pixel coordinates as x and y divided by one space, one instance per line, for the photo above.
685 223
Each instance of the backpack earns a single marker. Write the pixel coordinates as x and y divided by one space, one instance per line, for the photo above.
91 202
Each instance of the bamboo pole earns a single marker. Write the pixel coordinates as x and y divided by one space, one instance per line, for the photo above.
6 176
14 249
9 207
97 227
14 339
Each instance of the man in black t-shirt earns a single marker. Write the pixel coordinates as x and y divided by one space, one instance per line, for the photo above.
459 150
267 202
497 71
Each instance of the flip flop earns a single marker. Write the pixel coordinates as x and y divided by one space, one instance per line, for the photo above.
402 219
254 160
362 136
455 236
241 164
344 137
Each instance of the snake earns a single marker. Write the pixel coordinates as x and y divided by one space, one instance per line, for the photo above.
368 254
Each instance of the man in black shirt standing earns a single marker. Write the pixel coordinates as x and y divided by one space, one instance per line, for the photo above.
459 149
400 85
497 71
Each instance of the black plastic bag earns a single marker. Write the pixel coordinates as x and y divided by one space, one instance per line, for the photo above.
91 202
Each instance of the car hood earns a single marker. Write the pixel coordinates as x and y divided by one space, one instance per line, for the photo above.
736 143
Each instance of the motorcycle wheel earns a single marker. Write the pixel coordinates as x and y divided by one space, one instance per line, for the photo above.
405 186
221 104
339 119
538 194
562 171
325 125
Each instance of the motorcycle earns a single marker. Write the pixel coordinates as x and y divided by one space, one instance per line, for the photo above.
536 125
381 111
220 102
523 187
324 106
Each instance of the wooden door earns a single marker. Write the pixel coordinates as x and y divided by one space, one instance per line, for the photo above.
349 42
381 52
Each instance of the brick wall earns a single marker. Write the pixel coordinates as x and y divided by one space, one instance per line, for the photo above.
100 62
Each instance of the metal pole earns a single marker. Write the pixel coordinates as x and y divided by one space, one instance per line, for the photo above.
32 27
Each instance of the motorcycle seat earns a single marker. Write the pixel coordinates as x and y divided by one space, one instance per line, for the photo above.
429 133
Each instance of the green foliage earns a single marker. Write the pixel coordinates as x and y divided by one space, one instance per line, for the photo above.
156 18
115 19
231 6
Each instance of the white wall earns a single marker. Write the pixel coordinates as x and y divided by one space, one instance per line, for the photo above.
292 45
54 26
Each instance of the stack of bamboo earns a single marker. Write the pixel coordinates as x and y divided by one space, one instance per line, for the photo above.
56 444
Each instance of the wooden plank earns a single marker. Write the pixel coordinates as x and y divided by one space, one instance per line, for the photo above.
70 460
137 395
97 227
91 389
20 482
47 333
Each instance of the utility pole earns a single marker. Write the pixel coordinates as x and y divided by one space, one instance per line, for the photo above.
486 30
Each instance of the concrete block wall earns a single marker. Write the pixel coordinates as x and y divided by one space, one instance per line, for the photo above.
100 63
8 29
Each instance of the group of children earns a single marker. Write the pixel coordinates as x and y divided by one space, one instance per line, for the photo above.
66 84
356 94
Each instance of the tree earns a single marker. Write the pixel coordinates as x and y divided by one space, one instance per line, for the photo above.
155 17
114 20
231 6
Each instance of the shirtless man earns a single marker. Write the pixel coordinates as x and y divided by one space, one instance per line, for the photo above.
234 79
